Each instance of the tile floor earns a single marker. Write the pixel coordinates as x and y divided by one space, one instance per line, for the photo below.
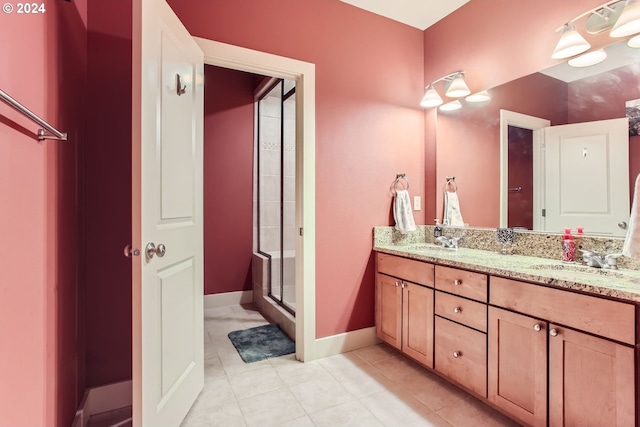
373 387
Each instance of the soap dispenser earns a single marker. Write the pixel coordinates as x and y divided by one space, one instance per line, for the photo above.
568 247
437 231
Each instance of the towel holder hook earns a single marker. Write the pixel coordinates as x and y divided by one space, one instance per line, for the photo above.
400 183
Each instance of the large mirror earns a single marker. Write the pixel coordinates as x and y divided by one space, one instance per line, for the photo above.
468 139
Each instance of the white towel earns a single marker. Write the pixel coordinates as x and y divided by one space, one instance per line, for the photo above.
631 246
402 212
452 214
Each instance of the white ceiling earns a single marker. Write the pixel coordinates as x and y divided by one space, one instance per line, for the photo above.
420 14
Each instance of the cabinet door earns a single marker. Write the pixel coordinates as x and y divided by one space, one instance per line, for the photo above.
417 323
517 372
591 381
461 355
389 309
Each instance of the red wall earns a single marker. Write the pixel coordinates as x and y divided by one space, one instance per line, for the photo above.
41 359
228 180
369 126
107 194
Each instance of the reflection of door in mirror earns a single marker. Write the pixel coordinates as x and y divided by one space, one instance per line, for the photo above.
513 202
587 176
520 180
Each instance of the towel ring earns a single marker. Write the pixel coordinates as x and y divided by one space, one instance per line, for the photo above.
451 182
400 183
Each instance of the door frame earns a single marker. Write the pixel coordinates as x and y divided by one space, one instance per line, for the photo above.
524 121
248 60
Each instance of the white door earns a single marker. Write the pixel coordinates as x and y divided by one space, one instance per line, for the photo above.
168 370
587 176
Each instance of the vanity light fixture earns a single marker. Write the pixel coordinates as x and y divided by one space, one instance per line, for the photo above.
622 17
629 21
634 42
588 59
431 98
451 106
457 88
481 96
571 43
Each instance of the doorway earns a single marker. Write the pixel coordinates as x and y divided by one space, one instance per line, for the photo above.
303 73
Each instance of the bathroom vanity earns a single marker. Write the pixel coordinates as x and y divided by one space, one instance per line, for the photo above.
543 342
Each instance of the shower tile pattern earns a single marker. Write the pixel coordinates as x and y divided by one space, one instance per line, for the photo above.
372 386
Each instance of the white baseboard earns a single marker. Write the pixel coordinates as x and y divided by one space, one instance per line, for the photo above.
348 341
103 399
227 298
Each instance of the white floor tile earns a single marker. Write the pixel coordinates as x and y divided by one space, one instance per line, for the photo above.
350 414
270 409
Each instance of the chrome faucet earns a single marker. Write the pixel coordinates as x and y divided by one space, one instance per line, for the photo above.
595 260
448 242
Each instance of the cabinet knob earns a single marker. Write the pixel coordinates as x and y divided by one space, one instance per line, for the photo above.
457 354
553 332
397 284
457 309
537 327
457 282
404 285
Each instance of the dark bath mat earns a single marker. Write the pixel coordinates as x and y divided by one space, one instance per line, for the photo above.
262 342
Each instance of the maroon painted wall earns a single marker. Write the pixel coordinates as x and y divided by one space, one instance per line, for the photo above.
369 126
520 204
41 359
107 194
228 179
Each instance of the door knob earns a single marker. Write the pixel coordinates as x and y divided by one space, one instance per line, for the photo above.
152 250
130 252
623 225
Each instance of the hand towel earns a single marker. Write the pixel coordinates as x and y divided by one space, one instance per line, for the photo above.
452 214
402 212
631 246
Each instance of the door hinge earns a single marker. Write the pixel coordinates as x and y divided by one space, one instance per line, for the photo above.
544 212
301 231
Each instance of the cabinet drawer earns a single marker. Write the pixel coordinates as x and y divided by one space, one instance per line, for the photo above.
462 282
461 354
404 268
461 310
599 316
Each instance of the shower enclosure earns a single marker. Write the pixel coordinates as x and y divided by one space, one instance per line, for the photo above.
276 203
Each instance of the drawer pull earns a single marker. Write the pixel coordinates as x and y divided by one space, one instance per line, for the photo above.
457 354
457 282
553 332
537 327
457 309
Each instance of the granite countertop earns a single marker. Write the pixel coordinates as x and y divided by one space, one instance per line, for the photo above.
623 284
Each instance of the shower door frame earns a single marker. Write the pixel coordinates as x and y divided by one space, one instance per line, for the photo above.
283 98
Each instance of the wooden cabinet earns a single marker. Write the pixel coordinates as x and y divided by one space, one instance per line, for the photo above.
517 366
591 381
389 310
404 310
461 355
542 355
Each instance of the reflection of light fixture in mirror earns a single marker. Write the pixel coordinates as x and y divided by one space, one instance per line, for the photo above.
458 88
571 43
478 97
629 21
451 106
634 42
590 58
431 98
